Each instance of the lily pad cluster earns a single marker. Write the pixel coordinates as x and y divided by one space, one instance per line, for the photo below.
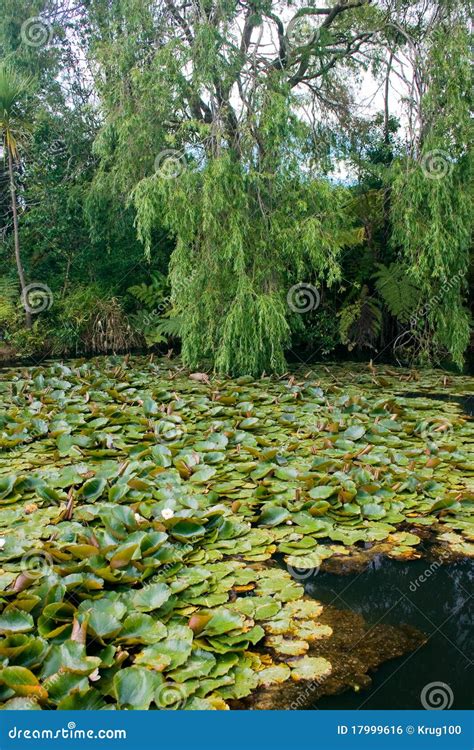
140 510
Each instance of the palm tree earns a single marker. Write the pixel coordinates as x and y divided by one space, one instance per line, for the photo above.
14 89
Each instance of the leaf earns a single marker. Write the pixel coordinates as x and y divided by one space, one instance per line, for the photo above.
104 616
15 621
134 687
151 597
273 515
74 658
322 492
141 628
355 432
222 621
274 675
92 489
310 668
175 649
23 682
187 530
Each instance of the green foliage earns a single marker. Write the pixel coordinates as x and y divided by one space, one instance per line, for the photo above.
397 290
360 322
432 197
9 299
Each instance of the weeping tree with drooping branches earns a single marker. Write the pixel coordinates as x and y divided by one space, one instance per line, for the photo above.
249 218
432 192
220 119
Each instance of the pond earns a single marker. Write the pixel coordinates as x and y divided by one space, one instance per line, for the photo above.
435 598
147 515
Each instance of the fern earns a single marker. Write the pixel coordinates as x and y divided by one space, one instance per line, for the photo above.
399 293
361 322
150 295
171 326
9 296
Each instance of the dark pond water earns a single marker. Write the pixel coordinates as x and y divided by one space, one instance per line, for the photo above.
465 402
391 592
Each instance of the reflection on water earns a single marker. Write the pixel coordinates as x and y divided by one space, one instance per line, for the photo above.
432 597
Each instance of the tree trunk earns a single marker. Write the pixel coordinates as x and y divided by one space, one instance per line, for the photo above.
21 273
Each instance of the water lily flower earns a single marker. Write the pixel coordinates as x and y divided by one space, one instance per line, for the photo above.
94 676
167 513
2 542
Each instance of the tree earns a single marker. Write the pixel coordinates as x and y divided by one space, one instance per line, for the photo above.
432 193
14 90
233 181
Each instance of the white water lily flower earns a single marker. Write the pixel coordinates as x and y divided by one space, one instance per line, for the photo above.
2 542
167 513
138 518
94 676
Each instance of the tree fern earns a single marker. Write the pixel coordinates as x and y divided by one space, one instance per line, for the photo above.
398 291
360 322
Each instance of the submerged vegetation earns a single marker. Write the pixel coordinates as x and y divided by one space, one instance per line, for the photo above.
144 509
